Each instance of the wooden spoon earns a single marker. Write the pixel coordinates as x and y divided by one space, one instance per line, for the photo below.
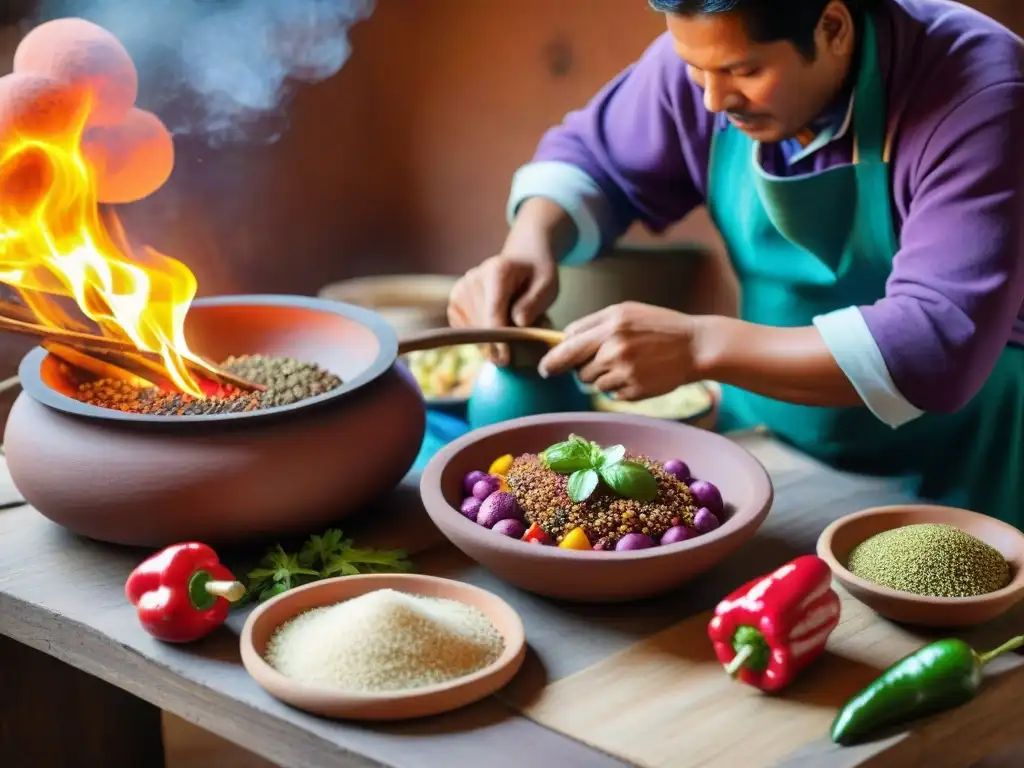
450 337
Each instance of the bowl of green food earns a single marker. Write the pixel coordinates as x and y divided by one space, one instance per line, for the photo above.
927 565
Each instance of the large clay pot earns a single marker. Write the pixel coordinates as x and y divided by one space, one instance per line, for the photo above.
150 480
153 480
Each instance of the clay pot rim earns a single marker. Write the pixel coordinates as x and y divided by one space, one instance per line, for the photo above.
281 686
735 525
33 385
928 513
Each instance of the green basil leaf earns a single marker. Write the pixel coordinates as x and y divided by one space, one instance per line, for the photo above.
581 484
569 457
630 480
612 455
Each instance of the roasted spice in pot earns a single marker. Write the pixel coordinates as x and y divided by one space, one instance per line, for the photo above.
287 381
930 559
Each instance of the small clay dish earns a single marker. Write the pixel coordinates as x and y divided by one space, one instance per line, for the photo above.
694 404
402 705
599 576
840 538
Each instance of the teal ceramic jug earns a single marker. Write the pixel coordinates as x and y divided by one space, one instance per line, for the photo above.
503 393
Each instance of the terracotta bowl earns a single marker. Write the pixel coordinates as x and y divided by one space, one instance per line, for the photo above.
408 303
588 576
420 702
155 480
839 539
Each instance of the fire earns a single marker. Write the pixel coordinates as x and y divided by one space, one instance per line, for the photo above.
55 242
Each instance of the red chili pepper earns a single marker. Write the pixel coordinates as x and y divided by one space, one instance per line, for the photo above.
182 593
768 630
535 534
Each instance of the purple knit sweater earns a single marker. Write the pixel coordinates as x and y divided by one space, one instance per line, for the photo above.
955 97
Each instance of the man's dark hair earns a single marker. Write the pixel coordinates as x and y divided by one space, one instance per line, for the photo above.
767 21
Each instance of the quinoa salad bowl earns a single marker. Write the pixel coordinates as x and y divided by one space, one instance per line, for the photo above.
596 507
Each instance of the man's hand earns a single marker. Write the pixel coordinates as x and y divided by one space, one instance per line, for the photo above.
504 290
633 350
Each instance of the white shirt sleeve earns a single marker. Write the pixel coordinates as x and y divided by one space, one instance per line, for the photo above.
848 338
575 191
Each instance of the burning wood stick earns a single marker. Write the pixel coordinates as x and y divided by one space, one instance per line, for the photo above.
122 353
95 363
26 315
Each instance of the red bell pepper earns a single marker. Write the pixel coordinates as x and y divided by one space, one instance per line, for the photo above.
535 535
182 593
768 630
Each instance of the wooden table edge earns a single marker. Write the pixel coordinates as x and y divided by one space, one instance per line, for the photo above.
106 659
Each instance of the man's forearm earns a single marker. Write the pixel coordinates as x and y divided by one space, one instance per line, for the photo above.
542 228
789 364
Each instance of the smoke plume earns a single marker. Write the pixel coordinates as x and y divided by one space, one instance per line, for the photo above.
224 69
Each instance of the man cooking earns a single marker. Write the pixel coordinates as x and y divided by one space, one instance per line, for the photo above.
864 163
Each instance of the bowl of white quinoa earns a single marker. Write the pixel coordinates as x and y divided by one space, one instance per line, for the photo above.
383 647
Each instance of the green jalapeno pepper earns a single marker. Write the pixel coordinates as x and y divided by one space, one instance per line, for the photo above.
940 676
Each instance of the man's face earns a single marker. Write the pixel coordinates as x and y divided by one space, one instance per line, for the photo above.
770 91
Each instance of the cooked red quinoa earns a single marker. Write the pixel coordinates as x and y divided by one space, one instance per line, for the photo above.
542 494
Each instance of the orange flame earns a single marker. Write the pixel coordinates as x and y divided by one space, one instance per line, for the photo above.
54 242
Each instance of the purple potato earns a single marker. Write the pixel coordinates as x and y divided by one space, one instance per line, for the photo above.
676 534
471 479
470 507
707 495
634 541
497 507
487 485
705 521
678 470
510 527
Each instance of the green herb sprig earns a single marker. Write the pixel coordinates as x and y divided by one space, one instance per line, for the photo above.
321 557
588 464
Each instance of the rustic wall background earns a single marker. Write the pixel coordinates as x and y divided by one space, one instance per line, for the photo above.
402 161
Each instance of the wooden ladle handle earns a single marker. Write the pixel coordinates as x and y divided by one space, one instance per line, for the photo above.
448 337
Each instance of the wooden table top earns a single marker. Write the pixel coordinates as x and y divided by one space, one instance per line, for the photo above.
64 596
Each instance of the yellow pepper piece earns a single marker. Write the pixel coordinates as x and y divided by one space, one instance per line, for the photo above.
501 465
503 486
575 539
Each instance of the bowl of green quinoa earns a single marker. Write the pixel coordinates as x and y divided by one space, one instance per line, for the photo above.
603 570
927 565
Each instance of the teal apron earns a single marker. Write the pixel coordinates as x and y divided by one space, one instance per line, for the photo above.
808 245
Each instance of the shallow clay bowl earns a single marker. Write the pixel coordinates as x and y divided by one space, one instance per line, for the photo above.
838 540
420 702
588 576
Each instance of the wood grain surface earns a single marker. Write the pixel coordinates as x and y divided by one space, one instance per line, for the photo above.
665 702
